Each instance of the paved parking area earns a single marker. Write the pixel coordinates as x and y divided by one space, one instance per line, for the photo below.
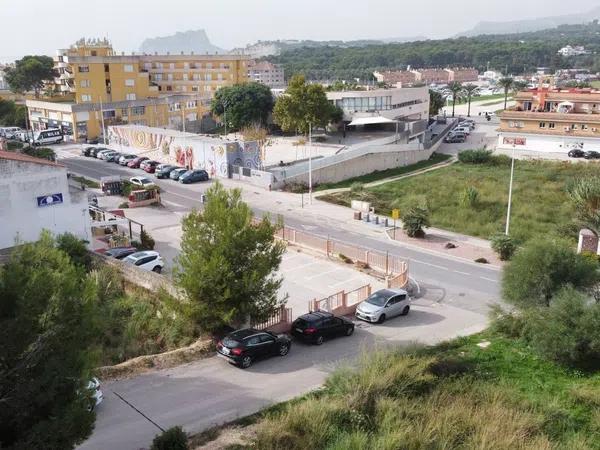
307 277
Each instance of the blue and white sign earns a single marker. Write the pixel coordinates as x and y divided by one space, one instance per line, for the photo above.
49 200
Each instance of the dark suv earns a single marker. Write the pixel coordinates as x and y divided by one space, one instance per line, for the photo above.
317 326
242 347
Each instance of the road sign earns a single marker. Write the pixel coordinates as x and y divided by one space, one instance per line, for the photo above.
52 199
395 214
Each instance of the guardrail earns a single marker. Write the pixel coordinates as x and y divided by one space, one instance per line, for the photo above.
280 322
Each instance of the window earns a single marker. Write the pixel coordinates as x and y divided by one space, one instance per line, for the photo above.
169 88
551 125
185 77
86 98
208 77
542 124
83 69
158 65
124 112
128 68
170 76
186 65
130 97
584 126
171 65
109 114
85 83
220 77
209 65
138 110
147 66
266 338
158 77
196 76
253 341
195 88
130 82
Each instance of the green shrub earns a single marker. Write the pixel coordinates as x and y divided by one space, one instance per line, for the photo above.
127 187
75 248
500 160
414 220
172 439
124 205
345 259
475 156
146 241
504 246
40 152
568 331
357 188
14 145
469 197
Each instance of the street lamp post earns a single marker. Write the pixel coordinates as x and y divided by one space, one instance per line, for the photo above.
310 163
512 172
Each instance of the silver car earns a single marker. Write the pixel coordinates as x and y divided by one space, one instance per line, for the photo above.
384 304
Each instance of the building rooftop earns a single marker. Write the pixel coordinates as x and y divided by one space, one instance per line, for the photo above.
20 157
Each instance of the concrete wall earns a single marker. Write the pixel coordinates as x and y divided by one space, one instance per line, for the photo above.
20 216
545 144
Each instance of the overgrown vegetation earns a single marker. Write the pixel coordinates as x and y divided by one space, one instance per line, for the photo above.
86 181
540 202
172 439
455 395
504 246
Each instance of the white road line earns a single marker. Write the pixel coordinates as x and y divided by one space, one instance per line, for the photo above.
429 264
293 269
489 279
462 273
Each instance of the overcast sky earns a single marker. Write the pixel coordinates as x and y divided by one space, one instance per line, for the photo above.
27 27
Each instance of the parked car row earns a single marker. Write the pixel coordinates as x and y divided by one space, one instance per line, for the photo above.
147 260
590 154
164 171
243 347
461 132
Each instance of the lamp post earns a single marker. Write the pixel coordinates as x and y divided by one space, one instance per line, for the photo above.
512 171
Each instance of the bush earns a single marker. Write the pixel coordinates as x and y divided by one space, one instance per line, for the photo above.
75 248
469 196
345 259
504 246
40 152
127 187
475 156
172 439
568 331
357 188
500 160
146 241
14 145
414 220
124 205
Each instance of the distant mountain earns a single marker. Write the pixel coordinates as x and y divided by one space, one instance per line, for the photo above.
189 41
524 26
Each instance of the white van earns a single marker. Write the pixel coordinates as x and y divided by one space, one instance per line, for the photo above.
45 137
10 132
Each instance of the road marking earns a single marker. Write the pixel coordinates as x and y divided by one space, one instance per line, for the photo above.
322 273
489 279
429 264
462 273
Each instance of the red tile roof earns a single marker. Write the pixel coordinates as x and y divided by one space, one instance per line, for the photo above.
13 156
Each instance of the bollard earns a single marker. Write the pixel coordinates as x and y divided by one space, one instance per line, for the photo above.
385 222
367 217
376 220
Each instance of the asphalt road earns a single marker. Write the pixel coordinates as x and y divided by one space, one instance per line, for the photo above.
455 298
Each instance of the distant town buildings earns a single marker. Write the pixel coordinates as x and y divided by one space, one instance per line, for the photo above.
427 76
97 87
573 51
267 73
552 120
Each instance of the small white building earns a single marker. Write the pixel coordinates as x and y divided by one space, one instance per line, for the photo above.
568 50
35 196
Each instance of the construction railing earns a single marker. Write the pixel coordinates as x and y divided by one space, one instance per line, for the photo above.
280 322
342 303
392 267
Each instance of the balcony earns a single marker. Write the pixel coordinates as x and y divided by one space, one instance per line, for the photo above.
592 117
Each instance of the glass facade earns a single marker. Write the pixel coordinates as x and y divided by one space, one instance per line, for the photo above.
369 104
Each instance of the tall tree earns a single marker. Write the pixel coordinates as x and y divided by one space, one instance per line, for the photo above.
302 105
456 89
436 102
243 104
470 90
46 326
228 263
30 73
541 268
506 83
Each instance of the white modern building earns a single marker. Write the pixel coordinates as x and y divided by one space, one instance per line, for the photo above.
267 73
408 107
35 196
568 50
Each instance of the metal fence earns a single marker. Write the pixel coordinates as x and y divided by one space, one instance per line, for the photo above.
280 321
342 302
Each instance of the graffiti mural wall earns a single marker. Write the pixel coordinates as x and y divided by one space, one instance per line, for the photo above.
198 152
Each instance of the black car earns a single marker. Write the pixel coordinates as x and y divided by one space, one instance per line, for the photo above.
455 139
243 347
94 151
591 154
164 170
576 153
121 252
86 151
317 326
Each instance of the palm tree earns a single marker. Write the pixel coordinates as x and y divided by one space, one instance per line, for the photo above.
585 195
506 83
456 88
470 89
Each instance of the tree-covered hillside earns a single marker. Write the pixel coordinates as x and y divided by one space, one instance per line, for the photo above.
517 52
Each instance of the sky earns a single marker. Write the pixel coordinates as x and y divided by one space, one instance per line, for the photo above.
25 29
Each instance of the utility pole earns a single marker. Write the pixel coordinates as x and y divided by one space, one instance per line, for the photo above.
310 163
184 135
512 171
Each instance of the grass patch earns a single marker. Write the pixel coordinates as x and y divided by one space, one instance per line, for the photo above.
595 84
454 395
86 181
463 101
540 204
501 97
436 158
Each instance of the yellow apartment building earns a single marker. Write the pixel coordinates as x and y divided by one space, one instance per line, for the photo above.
552 120
95 87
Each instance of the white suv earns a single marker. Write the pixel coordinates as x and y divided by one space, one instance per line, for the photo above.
147 260
383 305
